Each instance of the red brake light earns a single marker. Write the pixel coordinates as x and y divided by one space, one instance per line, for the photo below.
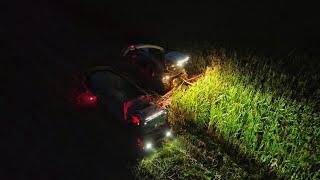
126 107
87 99
135 120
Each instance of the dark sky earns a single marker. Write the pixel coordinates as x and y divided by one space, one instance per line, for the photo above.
249 23
243 24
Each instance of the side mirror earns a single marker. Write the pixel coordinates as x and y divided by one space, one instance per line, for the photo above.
176 59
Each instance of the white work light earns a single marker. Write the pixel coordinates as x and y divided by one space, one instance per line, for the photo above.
148 145
168 133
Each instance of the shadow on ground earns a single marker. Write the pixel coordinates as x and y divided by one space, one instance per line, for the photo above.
212 141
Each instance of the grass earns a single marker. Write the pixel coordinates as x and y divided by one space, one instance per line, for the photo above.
186 158
270 115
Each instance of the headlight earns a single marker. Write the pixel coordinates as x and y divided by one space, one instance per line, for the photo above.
168 133
181 62
148 146
165 78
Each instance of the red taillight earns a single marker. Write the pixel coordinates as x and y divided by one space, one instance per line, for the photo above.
87 99
135 120
126 107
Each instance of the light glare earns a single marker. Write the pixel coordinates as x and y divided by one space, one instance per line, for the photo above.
181 62
154 115
168 133
148 145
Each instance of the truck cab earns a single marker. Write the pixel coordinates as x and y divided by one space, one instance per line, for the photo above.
157 63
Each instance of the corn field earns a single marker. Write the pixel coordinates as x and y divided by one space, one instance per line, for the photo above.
268 108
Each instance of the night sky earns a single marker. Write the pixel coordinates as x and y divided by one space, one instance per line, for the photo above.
46 43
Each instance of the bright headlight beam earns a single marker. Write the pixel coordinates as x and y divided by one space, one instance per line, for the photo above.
148 145
168 133
181 62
